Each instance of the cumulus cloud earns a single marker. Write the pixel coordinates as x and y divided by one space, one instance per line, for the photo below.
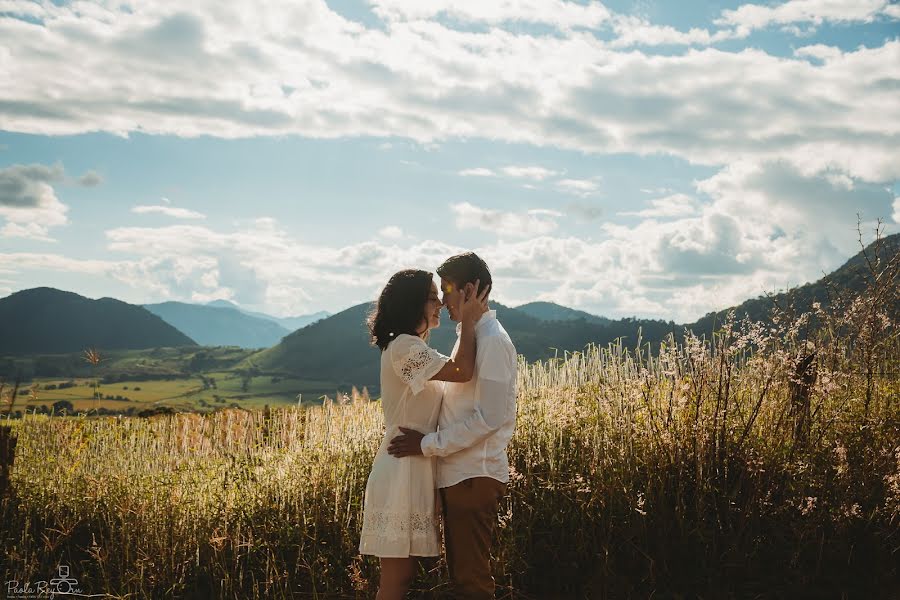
90 179
559 13
635 31
55 262
533 173
577 187
237 75
391 232
169 211
259 264
748 17
799 143
28 201
753 228
675 205
477 172
507 224
760 227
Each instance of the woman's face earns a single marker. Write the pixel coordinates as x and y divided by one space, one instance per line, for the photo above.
432 310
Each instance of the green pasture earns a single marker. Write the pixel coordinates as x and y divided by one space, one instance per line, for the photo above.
201 392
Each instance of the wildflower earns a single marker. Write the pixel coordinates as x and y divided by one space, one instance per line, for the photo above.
640 504
854 511
92 355
808 505
841 454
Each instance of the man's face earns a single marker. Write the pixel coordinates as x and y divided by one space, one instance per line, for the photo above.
452 296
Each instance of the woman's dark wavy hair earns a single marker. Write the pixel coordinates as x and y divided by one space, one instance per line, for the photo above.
400 307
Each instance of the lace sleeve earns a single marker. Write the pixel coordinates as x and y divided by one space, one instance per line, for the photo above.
415 362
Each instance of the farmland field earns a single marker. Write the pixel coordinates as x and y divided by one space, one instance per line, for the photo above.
127 382
185 393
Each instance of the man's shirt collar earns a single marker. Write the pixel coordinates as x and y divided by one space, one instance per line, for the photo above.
488 316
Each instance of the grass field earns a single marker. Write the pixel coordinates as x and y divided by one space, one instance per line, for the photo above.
188 393
190 378
681 474
764 463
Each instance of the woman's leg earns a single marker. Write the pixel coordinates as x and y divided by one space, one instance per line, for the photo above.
396 577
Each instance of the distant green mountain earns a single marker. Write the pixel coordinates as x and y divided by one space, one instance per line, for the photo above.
47 320
289 323
337 348
550 311
851 276
219 325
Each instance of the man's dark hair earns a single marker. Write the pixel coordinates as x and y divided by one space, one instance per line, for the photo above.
400 307
465 268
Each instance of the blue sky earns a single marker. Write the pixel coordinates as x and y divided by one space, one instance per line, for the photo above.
625 158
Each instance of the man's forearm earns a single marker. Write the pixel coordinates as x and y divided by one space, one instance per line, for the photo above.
458 436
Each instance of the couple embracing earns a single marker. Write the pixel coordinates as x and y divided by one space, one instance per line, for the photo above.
447 423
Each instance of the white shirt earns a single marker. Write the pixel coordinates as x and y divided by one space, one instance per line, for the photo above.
478 417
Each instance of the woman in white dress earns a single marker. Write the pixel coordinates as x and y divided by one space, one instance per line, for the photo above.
401 508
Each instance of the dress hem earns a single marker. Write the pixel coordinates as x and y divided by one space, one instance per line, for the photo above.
399 556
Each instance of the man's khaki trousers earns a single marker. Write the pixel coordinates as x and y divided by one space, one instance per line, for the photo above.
470 512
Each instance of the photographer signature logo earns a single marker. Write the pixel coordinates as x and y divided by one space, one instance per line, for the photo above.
62 585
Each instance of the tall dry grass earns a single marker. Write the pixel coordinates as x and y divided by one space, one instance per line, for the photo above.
679 471
763 463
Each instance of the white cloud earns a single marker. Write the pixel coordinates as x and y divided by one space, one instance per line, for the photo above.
819 52
237 75
477 172
759 227
261 265
505 224
636 31
545 212
577 187
169 211
800 143
391 232
560 13
533 173
675 205
34 231
54 262
90 179
28 201
757 16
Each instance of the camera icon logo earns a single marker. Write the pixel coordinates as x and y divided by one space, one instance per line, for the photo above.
63 584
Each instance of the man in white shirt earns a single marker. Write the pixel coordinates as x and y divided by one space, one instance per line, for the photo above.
476 422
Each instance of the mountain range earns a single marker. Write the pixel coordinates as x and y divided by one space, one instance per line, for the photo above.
51 321
219 325
223 323
550 311
336 347
288 323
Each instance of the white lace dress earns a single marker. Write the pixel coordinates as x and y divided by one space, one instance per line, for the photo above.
401 510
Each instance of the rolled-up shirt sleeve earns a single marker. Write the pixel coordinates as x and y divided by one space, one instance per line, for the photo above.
493 404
